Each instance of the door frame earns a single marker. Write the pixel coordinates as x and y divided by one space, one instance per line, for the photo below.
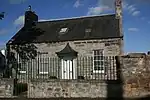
74 75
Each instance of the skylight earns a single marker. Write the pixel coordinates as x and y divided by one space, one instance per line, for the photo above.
88 30
63 30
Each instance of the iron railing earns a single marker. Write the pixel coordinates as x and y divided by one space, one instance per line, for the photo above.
86 68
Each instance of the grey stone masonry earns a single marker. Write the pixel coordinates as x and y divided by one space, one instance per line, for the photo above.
111 47
6 88
70 89
135 69
133 82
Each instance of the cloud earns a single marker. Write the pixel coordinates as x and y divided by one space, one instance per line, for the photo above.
101 7
98 10
140 1
19 21
133 29
131 9
77 4
17 1
125 5
136 13
3 31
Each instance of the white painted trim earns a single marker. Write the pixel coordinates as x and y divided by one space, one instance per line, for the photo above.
98 71
62 69
43 72
73 69
22 72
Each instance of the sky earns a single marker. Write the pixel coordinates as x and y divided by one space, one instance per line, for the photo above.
136 17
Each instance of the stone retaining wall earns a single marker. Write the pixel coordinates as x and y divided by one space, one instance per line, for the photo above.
133 82
6 88
135 69
70 89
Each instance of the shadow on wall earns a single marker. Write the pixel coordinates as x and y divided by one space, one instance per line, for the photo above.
23 46
115 87
24 52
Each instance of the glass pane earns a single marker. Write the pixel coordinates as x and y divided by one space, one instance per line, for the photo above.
98 57
43 67
102 63
95 52
96 63
101 68
98 52
98 68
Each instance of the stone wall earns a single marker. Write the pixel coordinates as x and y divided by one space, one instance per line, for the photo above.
111 47
133 82
135 69
6 88
70 89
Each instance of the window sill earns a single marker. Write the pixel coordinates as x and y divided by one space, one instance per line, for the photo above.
22 72
43 72
99 71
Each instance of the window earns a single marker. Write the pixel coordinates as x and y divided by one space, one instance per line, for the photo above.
88 30
63 30
22 65
43 66
98 61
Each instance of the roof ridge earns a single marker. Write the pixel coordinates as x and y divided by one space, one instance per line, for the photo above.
80 17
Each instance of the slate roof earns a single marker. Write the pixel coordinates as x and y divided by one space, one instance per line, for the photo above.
102 27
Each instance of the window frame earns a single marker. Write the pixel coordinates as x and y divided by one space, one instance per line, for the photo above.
41 65
63 30
98 71
20 63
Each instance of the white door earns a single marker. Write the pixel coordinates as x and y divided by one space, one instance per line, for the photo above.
68 69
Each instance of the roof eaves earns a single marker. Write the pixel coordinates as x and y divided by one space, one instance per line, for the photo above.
74 18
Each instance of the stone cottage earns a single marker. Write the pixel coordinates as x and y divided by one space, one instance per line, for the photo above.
68 48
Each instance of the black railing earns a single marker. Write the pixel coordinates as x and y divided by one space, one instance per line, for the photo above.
83 68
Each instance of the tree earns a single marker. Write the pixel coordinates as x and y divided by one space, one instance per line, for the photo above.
2 15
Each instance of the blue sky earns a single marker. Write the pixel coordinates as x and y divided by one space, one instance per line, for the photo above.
136 17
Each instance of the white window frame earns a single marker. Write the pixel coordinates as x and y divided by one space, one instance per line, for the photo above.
41 65
63 30
20 71
98 71
88 30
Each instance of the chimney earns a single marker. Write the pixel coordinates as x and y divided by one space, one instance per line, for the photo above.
30 18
